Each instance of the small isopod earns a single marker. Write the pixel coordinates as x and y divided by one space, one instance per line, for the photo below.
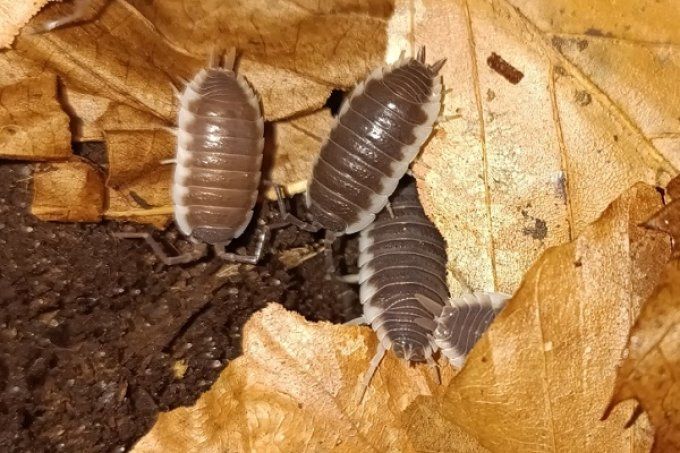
463 321
217 166
401 257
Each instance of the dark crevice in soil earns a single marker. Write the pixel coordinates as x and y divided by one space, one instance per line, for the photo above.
94 332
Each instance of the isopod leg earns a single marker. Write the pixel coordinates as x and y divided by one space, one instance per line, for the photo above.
262 235
372 368
433 364
287 216
328 241
197 253
352 279
388 207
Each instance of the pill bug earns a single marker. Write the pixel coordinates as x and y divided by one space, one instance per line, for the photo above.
379 130
402 256
463 321
220 139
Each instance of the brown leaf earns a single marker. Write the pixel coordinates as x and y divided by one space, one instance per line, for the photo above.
134 154
517 168
537 381
667 220
673 188
650 372
541 376
296 143
14 15
293 52
117 56
131 52
295 387
68 192
32 124
144 200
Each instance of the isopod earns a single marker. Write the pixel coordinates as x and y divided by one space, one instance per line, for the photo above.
463 321
402 280
220 140
379 130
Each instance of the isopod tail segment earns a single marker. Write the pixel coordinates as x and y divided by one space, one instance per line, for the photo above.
380 355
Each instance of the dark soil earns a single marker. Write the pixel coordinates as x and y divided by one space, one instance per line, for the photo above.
93 329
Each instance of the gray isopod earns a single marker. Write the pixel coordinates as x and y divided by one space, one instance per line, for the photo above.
401 257
217 166
403 290
379 130
463 321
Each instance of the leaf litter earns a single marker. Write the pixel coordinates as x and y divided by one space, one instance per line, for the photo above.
542 154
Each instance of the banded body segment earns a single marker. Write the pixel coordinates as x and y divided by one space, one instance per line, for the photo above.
463 322
401 258
379 131
219 156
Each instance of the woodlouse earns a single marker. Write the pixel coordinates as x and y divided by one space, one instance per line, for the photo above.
379 130
463 321
402 256
219 156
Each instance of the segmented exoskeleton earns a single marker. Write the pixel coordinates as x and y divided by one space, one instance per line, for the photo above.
219 155
379 130
463 321
402 278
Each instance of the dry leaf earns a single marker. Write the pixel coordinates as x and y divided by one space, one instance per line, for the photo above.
296 143
539 380
293 52
651 370
135 154
131 52
292 258
14 15
295 389
118 56
523 163
68 192
673 188
145 200
541 377
667 219
32 124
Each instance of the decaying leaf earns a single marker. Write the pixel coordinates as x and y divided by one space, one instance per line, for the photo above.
293 52
296 143
68 192
523 163
541 377
667 219
294 257
673 188
131 52
144 200
134 154
295 388
651 371
539 380
32 124
14 15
